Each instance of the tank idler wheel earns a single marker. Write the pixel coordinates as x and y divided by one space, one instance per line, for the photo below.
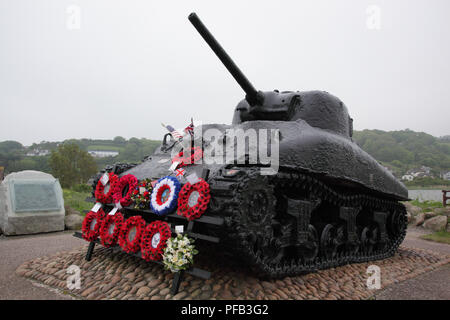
329 241
396 223
309 250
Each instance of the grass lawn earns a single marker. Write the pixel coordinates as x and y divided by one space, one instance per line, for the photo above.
75 200
104 148
428 188
440 236
427 204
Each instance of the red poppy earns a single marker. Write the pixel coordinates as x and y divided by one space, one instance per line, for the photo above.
100 194
154 240
90 228
194 156
110 229
193 200
130 234
127 180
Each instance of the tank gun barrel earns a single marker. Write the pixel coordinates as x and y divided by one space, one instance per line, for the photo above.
252 95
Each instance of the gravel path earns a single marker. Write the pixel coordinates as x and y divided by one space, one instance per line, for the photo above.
16 250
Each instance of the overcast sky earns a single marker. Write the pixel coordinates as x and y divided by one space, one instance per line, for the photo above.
128 65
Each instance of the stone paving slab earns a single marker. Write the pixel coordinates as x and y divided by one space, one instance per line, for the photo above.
434 285
16 250
120 276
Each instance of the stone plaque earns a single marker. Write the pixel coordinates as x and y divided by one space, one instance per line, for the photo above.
35 195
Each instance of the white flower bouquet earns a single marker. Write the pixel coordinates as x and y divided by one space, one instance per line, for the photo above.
179 253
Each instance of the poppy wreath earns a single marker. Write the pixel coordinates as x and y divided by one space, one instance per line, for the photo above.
100 194
193 199
142 200
130 234
154 240
195 155
127 180
90 228
110 229
164 195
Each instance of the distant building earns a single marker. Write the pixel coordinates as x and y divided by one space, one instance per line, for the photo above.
37 152
446 176
103 154
408 177
425 169
422 172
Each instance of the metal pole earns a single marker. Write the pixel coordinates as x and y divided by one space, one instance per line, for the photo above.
90 250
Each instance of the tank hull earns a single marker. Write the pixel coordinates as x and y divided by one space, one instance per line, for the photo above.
328 204
331 157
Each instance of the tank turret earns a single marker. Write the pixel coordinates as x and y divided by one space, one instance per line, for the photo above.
318 108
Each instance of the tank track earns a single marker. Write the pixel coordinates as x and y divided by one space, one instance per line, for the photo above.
293 223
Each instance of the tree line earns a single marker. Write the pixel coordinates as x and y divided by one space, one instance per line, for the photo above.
398 150
406 149
69 160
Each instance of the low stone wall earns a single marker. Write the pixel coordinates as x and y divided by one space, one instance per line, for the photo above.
121 276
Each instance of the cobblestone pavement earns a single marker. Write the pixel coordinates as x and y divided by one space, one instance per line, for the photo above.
121 276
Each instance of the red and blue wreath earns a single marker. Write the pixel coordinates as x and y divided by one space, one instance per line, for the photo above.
193 199
104 193
129 181
154 240
90 228
110 229
164 195
130 234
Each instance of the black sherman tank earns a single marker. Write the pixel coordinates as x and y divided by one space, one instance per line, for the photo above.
330 203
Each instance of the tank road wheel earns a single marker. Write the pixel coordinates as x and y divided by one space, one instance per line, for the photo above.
329 242
369 238
308 251
340 238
